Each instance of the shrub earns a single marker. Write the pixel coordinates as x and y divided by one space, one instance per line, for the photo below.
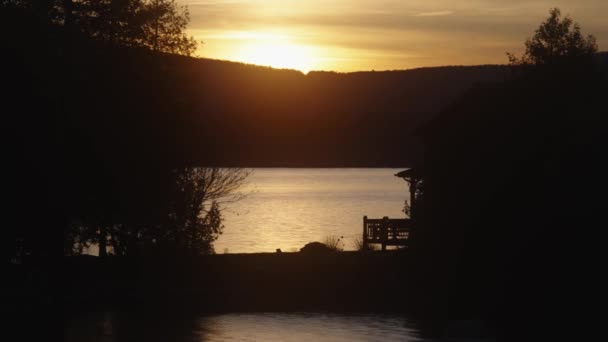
361 246
333 242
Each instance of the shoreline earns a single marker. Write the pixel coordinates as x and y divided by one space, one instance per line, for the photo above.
284 282
349 281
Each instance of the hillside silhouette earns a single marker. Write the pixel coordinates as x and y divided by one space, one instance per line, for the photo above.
119 101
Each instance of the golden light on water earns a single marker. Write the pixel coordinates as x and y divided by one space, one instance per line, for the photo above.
288 208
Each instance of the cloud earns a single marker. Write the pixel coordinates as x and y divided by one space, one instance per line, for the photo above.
413 32
434 14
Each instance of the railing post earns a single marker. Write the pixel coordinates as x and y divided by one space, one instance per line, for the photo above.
384 232
365 229
396 229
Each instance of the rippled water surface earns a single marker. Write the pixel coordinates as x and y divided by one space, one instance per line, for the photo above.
287 208
113 326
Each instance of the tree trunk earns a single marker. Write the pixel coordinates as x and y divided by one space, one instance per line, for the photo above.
68 17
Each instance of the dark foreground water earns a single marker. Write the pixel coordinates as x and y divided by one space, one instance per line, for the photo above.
114 326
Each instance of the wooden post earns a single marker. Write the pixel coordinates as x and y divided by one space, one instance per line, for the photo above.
413 199
412 196
384 232
364 229
396 228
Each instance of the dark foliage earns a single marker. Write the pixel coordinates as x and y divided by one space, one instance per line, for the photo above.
316 247
514 180
557 41
158 25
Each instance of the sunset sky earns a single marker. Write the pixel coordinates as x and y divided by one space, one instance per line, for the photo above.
350 35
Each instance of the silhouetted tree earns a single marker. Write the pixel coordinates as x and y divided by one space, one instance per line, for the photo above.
556 40
188 221
155 24
116 21
163 28
194 219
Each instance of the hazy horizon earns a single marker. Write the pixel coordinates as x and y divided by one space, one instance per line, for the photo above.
356 35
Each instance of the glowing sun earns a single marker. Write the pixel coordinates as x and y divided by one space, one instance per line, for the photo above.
277 52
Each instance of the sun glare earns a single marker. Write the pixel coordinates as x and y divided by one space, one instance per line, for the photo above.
277 52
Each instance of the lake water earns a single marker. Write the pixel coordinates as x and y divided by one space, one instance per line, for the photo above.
115 326
287 208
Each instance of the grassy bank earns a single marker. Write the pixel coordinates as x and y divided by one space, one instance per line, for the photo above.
345 281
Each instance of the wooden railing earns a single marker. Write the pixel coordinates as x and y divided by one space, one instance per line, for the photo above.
387 232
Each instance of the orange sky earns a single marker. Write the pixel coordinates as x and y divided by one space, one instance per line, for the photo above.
351 35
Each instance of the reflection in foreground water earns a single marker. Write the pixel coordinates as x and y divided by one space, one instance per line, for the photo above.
112 326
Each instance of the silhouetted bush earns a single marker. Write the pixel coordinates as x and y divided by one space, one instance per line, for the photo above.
333 242
316 248
362 246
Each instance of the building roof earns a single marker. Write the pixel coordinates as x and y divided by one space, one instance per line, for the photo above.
410 173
